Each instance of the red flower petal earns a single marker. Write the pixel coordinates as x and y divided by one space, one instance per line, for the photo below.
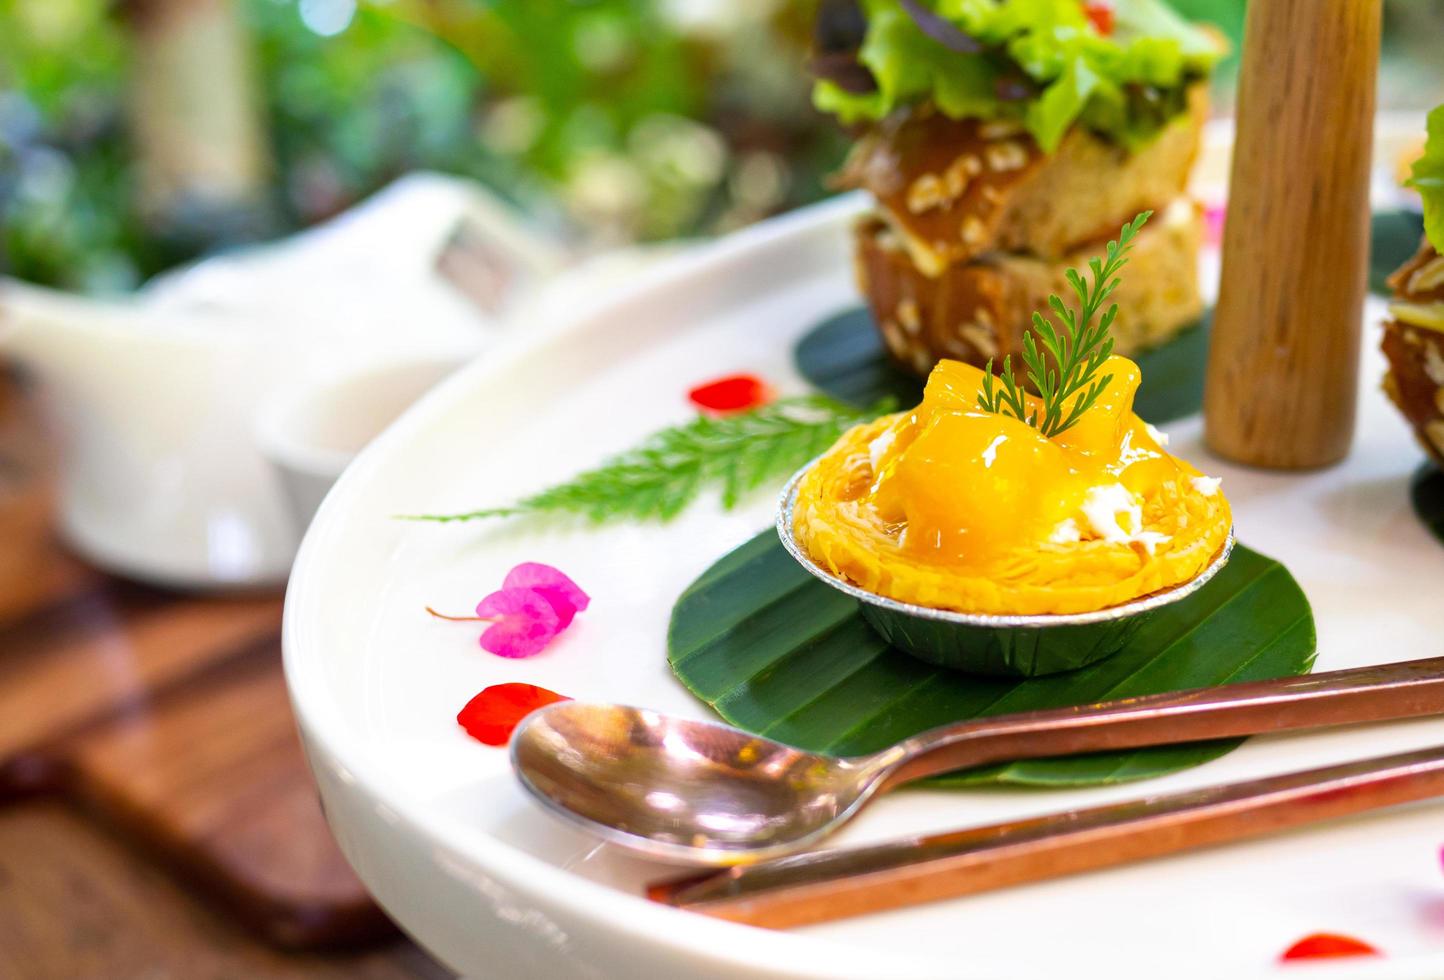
1101 14
493 714
734 393
1328 945
525 622
565 596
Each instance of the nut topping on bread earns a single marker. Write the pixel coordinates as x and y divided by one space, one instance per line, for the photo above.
953 194
980 309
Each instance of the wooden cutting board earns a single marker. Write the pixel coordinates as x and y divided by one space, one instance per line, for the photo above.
162 715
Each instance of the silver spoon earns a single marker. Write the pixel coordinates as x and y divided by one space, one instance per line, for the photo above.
705 793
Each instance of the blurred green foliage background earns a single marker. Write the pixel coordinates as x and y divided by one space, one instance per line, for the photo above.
619 120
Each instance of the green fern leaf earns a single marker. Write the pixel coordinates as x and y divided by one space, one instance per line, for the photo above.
658 479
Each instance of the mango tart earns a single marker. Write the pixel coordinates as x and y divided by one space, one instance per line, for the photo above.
953 507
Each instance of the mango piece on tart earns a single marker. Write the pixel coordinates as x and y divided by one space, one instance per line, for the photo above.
977 541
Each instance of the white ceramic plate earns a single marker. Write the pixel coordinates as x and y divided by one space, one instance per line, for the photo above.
438 829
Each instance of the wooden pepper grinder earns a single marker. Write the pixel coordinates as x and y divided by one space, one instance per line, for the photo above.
1283 366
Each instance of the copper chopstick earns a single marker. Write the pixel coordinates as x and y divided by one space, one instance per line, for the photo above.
836 884
1337 697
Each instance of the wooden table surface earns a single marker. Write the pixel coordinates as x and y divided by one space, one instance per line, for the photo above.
156 816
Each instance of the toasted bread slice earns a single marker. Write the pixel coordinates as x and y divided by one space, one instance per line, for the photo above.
980 309
956 189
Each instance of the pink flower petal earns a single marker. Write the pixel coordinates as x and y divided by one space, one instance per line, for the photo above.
526 622
565 596
1213 219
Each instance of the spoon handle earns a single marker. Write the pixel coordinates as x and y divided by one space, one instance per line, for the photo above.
835 884
1340 697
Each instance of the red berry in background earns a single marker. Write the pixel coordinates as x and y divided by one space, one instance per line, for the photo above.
1328 945
1101 14
493 714
734 393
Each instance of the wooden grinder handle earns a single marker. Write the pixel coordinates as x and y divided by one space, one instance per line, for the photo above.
1283 367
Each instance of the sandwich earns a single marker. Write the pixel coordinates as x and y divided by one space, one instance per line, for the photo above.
1001 142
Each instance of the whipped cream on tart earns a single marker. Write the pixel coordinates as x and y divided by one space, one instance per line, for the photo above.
952 507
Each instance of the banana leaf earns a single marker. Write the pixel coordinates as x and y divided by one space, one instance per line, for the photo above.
778 653
844 357
1427 493
1393 239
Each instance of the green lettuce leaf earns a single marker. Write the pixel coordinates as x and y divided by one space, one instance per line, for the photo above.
1050 115
907 71
1080 74
1428 180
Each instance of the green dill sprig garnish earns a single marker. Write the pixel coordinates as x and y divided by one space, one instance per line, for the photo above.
1064 364
659 478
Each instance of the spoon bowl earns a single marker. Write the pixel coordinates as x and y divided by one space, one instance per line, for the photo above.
692 791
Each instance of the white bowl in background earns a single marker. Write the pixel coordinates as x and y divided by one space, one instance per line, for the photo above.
310 433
